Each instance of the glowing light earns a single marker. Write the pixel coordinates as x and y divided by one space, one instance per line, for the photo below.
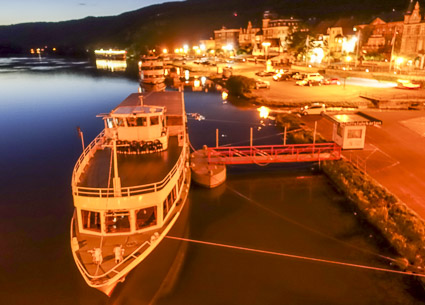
54 49
185 48
198 51
317 55
202 47
165 51
264 112
266 44
32 51
110 52
196 83
227 47
399 60
348 58
367 70
186 74
224 95
203 80
177 51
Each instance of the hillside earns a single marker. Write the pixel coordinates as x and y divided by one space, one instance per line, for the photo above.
176 23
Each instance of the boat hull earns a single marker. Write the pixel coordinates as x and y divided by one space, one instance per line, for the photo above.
157 275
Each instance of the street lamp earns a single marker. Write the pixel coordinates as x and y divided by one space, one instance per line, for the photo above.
357 45
392 48
266 45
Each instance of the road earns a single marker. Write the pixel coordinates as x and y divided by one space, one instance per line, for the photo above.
394 153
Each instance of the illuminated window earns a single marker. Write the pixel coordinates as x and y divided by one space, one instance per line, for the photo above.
110 123
91 220
354 134
146 218
119 122
117 222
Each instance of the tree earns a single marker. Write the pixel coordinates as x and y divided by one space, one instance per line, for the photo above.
299 42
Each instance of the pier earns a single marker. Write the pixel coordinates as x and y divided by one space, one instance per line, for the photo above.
209 164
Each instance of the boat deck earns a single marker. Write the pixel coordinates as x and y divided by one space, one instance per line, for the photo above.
133 245
133 169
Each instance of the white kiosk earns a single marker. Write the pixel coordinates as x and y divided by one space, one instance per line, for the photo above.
349 129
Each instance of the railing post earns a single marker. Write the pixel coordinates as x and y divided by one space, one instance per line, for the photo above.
216 137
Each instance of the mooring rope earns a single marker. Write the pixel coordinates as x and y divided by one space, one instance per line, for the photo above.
308 228
300 257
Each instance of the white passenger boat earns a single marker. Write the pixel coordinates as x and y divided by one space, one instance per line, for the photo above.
152 70
130 187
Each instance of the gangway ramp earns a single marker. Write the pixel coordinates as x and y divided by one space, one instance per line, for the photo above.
209 164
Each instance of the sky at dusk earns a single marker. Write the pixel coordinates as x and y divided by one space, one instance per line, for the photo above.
20 11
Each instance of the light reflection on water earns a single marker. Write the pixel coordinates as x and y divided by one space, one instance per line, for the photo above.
39 146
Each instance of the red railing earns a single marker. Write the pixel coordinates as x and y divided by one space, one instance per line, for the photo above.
274 153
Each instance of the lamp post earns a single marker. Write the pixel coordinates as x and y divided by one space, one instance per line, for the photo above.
266 45
392 49
357 45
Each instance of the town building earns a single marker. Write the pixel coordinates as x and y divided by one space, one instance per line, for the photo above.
272 39
413 37
226 38
248 37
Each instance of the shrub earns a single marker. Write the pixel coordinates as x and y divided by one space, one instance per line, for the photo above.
240 85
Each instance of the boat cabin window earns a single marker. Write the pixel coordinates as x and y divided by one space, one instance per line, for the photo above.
91 220
117 222
146 218
141 121
119 122
131 122
110 123
154 120
169 201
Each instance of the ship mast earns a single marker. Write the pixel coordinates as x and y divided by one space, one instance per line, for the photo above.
116 179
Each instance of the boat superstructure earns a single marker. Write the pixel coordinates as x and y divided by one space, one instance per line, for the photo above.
130 187
151 70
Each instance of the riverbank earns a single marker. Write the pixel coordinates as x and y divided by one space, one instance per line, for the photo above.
401 226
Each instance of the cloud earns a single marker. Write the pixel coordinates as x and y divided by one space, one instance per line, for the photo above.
82 4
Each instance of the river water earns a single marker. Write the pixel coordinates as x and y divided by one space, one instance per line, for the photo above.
276 209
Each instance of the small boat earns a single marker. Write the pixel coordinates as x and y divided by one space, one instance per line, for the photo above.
151 69
130 187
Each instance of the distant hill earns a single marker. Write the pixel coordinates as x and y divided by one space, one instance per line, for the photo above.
175 23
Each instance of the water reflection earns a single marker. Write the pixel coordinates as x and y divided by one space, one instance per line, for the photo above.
111 65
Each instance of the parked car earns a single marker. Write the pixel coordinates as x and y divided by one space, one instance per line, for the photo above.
262 84
298 75
407 84
308 82
315 108
265 73
332 81
311 79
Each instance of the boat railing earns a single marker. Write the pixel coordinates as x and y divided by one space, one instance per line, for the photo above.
116 268
86 155
125 191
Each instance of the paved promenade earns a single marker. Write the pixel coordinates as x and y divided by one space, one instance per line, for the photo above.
394 153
